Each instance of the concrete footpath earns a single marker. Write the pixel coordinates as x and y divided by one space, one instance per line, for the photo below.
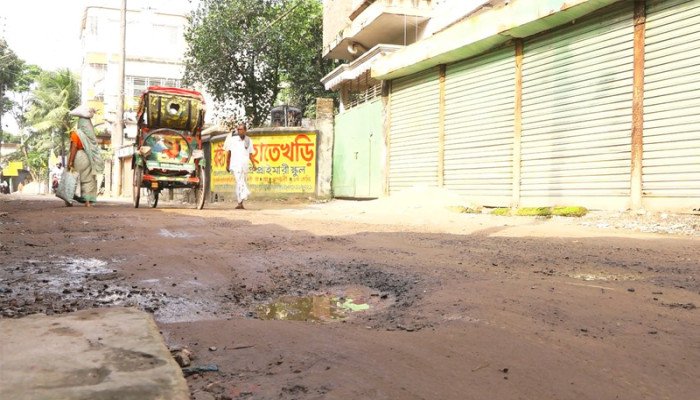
96 354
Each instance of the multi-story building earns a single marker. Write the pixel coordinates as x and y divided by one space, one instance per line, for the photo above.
519 103
155 47
361 32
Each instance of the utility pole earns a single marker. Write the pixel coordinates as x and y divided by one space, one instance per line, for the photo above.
118 131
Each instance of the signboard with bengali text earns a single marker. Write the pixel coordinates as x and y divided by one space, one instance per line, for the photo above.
12 168
221 178
286 163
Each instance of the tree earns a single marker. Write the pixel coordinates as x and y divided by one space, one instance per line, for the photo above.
10 68
55 95
241 50
26 82
304 29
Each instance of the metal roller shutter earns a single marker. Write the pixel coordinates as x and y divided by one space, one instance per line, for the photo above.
671 164
414 131
479 124
577 112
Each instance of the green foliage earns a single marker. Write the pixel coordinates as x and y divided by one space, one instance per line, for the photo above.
571 211
47 120
501 211
56 94
10 68
25 83
304 33
12 139
534 211
465 210
27 77
241 51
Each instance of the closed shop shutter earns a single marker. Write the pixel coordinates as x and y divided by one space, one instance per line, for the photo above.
577 112
413 158
671 163
479 125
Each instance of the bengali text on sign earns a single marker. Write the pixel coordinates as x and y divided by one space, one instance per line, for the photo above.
285 164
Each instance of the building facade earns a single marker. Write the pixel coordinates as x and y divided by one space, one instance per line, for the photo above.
155 47
535 103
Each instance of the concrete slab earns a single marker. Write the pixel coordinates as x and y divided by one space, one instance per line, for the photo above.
97 354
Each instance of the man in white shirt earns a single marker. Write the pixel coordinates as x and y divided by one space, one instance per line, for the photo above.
239 150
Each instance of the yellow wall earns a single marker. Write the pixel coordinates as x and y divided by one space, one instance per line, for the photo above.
286 164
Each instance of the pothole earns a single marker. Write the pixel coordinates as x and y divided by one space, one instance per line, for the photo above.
325 291
331 305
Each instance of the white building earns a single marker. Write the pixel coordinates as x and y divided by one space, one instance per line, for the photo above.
155 47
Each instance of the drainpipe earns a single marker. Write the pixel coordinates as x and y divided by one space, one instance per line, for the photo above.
518 123
637 154
386 114
442 70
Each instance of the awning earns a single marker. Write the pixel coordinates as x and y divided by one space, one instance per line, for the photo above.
483 32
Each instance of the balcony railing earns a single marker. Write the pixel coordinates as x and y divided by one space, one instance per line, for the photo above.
358 6
374 22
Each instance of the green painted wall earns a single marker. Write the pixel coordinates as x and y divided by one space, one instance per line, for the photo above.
357 167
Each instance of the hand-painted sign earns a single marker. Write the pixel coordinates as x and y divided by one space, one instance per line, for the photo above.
12 168
286 163
221 178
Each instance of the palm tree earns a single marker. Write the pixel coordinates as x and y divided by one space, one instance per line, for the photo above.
55 95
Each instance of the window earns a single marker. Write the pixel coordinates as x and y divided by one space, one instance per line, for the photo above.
96 80
91 26
135 85
165 34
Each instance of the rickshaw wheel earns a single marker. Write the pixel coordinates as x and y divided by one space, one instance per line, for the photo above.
200 190
138 176
153 197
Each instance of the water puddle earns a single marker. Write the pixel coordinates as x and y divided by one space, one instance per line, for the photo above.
170 234
85 266
322 307
603 277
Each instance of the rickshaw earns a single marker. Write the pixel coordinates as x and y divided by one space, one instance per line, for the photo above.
168 149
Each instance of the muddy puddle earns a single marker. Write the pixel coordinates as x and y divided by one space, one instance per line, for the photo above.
331 305
325 291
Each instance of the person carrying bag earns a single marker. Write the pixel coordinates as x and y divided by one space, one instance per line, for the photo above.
67 186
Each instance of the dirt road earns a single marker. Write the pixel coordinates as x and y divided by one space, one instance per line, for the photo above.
428 304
